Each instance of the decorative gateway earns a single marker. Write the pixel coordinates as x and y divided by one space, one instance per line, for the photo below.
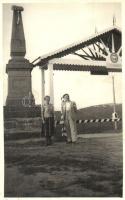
99 54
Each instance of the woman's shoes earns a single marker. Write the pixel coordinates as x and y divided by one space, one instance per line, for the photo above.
71 142
74 142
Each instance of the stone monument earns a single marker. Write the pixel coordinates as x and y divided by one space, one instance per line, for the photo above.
18 68
20 101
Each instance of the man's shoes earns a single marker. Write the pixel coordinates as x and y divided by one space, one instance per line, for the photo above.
48 144
74 142
68 142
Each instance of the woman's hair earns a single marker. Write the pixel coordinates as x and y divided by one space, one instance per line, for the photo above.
65 95
47 97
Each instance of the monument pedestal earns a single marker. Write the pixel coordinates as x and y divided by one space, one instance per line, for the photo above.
19 83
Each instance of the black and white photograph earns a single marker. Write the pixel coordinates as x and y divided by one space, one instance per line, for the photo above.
62 99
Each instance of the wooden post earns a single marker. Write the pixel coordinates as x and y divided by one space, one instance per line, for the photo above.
51 88
42 86
114 101
42 95
51 85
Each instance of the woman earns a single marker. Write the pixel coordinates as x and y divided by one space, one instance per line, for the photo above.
48 119
69 111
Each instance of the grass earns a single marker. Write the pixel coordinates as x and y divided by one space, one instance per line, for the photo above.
90 168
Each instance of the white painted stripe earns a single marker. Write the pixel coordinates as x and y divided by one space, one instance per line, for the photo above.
91 121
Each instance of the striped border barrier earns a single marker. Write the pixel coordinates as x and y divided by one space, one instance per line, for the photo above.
85 121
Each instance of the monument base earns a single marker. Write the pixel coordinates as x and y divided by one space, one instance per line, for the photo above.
21 112
19 83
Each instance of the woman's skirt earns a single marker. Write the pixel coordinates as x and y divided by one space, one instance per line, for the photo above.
49 127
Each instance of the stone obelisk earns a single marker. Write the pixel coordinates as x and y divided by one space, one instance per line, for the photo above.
18 68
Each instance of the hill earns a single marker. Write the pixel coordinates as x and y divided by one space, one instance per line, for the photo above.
96 112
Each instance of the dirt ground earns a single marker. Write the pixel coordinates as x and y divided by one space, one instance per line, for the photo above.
90 168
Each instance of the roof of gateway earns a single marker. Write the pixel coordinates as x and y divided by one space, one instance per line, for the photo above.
83 65
41 60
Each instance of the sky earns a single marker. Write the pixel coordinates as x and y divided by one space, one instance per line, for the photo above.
49 26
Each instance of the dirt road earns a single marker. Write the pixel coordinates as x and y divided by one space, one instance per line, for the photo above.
90 168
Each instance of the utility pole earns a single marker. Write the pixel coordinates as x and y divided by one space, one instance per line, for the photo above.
114 102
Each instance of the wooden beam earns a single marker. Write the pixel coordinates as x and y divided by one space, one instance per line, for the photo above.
91 52
85 52
95 50
101 48
80 55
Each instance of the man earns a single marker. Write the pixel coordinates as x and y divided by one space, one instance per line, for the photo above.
69 110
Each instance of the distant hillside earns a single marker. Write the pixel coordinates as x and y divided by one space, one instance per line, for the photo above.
96 112
99 111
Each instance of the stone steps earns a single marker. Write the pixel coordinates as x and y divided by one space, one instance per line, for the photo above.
22 123
19 128
24 128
